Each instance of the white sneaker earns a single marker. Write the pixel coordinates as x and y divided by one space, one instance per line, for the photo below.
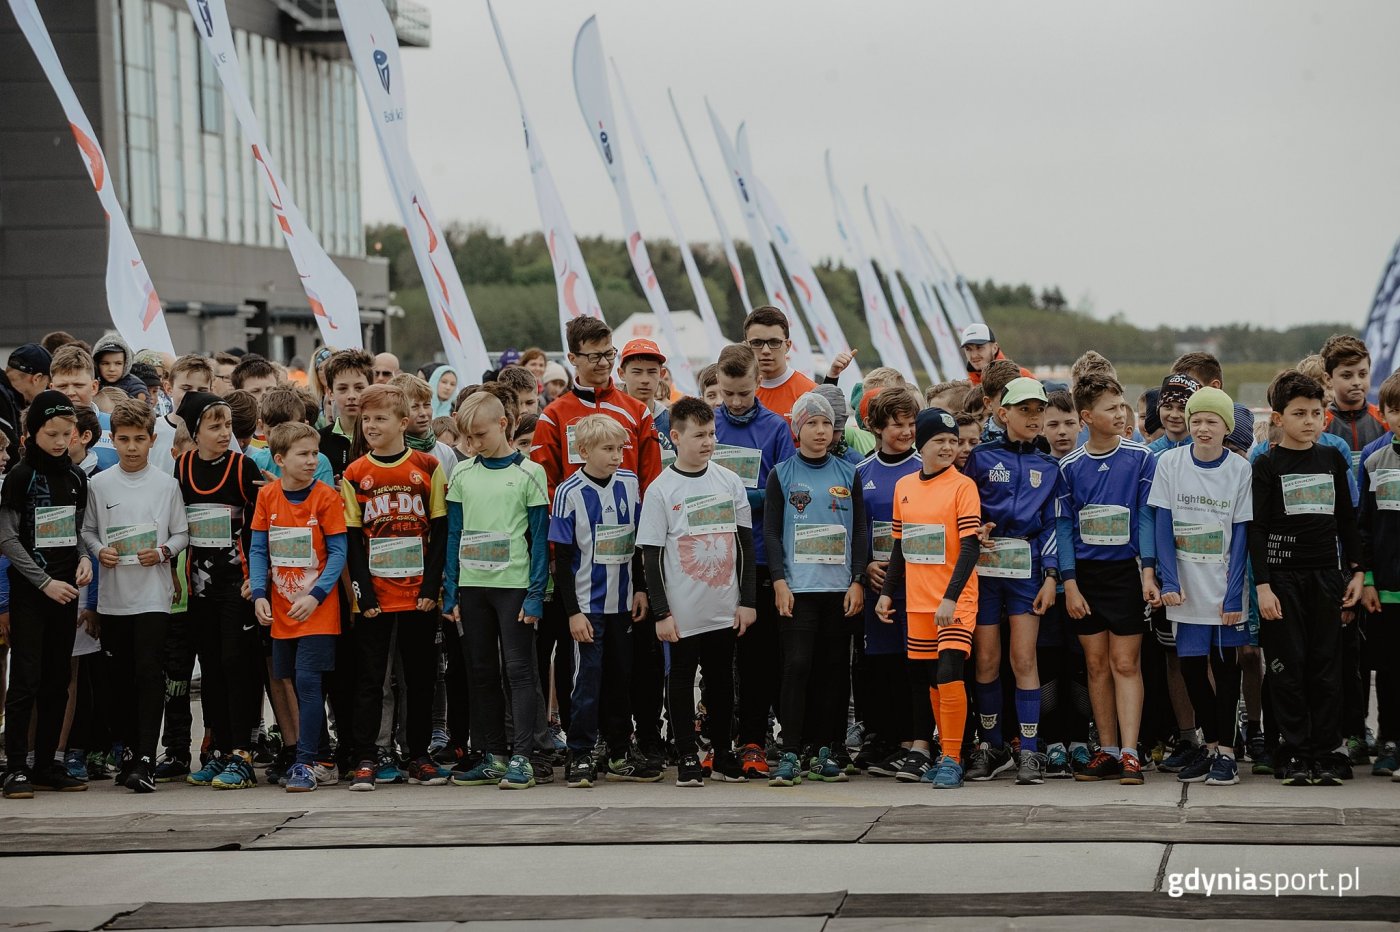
326 774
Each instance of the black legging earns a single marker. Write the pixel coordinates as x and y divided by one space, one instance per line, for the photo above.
1215 708
1064 696
816 656
136 646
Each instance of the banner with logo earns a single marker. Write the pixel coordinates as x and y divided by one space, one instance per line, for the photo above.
877 309
131 297
1382 334
571 279
331 296
595 103
374 46
933 302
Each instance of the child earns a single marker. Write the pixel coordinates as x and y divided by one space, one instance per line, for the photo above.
284 405
297 554
937 513
1104 526
970 431
72 372
1061 426
443 383
1302 518
840 446
818 571
709 389
396 519
598 580
420 434
947 395
135 522
255 375
1350 416
1017 573
220 489
113 359
697 540
190 373
1172 398
498 532
1203 499
522 382
524 434
445 428
348 373
1380 541
43 505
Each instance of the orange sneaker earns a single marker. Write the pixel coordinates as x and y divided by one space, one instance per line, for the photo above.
754 761
707 761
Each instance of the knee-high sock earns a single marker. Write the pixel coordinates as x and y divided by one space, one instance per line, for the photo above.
1028 713
989 703
953 700
933 701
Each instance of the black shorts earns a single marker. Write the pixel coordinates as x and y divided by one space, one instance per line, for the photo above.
1113 589
1161 627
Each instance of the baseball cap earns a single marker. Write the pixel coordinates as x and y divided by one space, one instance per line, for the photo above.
1023 389
976 335
1178 387
509 357
641 347
31 359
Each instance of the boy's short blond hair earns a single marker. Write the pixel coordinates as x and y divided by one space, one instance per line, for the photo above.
134 413
708 376
282 437
1313 367
72 358
281 405
414 388
385 396
597 429
108 398
884 377
1091 363
192 362
443 425
479 404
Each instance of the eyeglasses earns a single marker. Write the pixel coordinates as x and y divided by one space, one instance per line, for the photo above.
773 343
383 373
594 358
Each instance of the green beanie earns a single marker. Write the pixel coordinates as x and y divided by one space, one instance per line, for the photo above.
1212 401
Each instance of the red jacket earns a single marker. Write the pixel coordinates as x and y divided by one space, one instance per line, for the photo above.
641 454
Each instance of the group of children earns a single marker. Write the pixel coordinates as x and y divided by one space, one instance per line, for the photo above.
1000 575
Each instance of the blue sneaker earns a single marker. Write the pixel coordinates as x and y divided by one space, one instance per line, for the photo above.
520 775
1198 767
1057 762
787 772
237 775
75 762
823 768
301 779
388 771
487 773
205 775
1078 758
1183 753
1387 760
1224 771
949 775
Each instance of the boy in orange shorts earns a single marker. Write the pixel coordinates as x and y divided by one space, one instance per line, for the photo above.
937 512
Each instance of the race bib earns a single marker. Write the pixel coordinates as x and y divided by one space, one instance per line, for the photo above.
881 540
55 526
1005 558
291 548
1385 483
396 557
819 543
1199 543
741 461
1309 494
210 525
574 455
130 539
614 544
1105 525
710 514
484 550
925 544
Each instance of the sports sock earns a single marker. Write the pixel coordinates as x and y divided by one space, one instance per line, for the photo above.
989 711
1028 713
1113 751
933 701
954 701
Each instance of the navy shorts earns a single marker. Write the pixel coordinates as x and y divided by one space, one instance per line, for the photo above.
999 598
314 653
1195 640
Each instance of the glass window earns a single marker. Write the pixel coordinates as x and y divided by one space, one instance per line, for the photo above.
143 207
190 142
211 93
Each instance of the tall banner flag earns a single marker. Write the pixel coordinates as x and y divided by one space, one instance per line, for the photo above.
969 299
1382 334
374 46
131 296
333 301
692 271
961 310
893 274
929 297
877 309
595 103
774 289
731 255
571 279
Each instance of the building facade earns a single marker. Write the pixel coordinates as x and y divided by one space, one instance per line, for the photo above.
183 172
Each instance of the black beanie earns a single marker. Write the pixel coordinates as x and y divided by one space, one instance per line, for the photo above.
194 406
47 405
930 423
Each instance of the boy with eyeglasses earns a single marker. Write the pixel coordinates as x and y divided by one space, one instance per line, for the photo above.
767 333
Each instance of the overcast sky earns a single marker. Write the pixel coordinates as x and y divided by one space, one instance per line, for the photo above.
1184 162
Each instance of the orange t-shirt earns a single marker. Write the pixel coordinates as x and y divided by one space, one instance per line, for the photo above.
322 513
395 500
930 517
780 397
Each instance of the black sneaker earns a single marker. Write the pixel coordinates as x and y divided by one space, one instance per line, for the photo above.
55 777
543 768
142 777
17 786
124 765
634 768
726 768
582 772
1032 769
1324 773
1101 767
1340 766
889 765
688 772
1296 773
172 769
871 752
987 762
915 765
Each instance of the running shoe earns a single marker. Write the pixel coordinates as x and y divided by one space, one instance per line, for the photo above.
17 786
238 774
1197 768
1183 752
889 765
855 734
632 768
755 761
543 767
556 736
823 768
488 772
388 771
362 781
841 757
949 775
1101 767
1031 772
688 772
582 772
788 772
205 775
141 778
1078 758
423 772
1296 773
1387 760
871 752
1357 752
75 762
99 765
519 774
449 756
301 779
1324 773
986 762
1340 765
1254 743
707 761
171 769
326 772
1262 763
56 778
725 768
276 772
916 764
1224 771
1057 762
1131 771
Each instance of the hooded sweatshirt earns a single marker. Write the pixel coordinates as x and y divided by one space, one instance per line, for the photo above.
441 408
111 342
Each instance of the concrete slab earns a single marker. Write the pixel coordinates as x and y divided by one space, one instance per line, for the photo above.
1077 924
780 924
60 918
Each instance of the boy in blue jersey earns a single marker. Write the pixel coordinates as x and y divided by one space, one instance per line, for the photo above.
1380 545
598 581
1103 527
1018 569
750 440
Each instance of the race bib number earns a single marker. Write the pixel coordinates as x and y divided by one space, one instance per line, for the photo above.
1309 494
210 525
574 455
1385 483
396 557
819 543
614 544
130 539
484 550
881 540
56 526
1005 558
710 514
925 544
741 461
291 548
1199 543
1105 525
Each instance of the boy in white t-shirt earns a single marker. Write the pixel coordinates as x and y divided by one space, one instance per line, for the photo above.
697 543
1204 501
